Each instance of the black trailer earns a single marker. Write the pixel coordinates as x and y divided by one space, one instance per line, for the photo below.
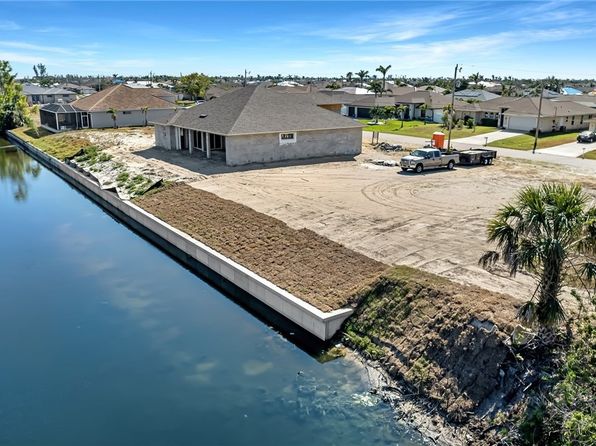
472 157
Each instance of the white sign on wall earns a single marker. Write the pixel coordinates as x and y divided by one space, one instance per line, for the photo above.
287 138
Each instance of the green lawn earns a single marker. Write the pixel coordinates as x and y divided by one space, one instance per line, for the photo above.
421 130
526 141
591 155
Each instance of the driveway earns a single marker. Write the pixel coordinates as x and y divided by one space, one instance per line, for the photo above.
572 149
483 138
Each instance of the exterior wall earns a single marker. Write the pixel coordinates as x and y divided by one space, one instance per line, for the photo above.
437 115
263 148
164 136
527 123
103 119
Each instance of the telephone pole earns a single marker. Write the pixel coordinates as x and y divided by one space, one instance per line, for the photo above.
452 111
537 131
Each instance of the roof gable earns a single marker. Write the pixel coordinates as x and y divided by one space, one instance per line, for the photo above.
123 97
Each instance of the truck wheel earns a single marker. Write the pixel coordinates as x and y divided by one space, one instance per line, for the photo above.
451 165
419 168
490 161
404 169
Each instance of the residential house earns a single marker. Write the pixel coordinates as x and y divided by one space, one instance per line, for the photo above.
131 106
360 106
435 102
256 124
475 95
521 114
79 89
44 95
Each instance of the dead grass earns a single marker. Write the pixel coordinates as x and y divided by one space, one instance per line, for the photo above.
60 145
313 268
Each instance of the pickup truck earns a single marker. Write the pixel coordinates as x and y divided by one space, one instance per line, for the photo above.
421 159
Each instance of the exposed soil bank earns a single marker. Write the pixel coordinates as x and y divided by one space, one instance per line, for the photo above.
444 343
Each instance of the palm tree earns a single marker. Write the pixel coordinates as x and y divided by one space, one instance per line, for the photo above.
349 75
376 113
477 77
400 110
423 109
549 231
145 111
383 70
114 115
376 87
362 74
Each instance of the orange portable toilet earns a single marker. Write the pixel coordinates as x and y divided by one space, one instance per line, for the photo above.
438 140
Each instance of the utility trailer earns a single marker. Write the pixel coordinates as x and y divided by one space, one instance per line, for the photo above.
472 157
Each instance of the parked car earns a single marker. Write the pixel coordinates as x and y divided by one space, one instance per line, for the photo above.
421 159
586 136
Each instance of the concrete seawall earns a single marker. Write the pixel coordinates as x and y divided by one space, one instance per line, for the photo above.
216 267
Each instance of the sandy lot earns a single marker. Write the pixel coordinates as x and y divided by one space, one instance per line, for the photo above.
434 221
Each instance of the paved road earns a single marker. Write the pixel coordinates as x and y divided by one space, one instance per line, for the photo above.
572 149
490 137
410 141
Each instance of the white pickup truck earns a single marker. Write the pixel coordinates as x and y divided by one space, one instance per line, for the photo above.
421 159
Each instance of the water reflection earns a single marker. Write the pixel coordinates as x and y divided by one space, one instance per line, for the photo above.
16 168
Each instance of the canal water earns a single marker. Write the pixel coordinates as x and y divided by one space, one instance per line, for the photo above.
105 340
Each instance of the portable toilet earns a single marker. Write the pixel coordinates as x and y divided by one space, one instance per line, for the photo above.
438 140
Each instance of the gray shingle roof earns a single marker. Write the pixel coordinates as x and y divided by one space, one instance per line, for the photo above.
36 89
529 106
257 109
481 95
59 108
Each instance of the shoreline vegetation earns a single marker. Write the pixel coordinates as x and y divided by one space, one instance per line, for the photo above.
455 352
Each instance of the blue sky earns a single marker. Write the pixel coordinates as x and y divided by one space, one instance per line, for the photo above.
418 38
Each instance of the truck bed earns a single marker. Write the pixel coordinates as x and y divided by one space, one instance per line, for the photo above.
472 157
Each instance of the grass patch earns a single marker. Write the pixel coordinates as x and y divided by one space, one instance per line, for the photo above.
526 141
421 130
4 142
93 155
591 155
60 145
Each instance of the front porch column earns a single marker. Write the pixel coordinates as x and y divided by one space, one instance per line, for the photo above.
208 145
191 141
177 132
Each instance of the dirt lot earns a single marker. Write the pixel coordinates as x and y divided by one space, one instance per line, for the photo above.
435 221
319 271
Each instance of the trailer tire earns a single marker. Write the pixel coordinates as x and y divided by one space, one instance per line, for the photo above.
490 160
451 165
419 168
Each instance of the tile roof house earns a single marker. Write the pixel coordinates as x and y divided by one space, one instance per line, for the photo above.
132 106
256 124
44 95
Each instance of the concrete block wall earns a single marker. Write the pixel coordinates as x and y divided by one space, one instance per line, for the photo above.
320 324
263 148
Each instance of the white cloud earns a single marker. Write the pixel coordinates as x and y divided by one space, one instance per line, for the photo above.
9 25
30 46
21 58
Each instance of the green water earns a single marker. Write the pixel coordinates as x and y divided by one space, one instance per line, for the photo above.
105 340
